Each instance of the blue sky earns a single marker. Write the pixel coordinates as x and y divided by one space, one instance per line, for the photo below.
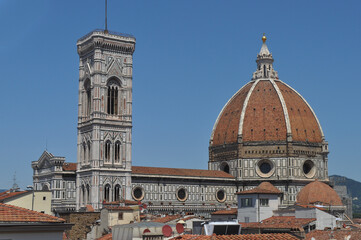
190 58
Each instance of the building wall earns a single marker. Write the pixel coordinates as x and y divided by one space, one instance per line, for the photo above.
323 219
256 212
42 201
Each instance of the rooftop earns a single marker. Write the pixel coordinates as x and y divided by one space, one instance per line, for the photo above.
13 214
263 188
280 222
232 211
180 172
273 236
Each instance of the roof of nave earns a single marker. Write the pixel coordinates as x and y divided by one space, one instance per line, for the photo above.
263 188
10 213
69 166
180 172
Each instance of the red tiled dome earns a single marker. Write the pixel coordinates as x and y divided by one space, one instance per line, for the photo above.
318 193
266 110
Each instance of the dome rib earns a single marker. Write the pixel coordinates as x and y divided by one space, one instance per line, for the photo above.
310 108
245 88
243 113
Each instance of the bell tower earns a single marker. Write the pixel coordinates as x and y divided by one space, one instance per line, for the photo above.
104 143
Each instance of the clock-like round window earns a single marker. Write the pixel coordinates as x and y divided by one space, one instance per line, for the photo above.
138 193
182 194
309 169
265 168
221 196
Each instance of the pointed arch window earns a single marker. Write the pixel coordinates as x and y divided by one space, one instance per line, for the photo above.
89 153
117 192
82 195
117 152
87 201
87 104
112 96
107 193
107 151
84 153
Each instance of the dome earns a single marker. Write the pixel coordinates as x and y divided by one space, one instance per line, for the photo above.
266 109
318 193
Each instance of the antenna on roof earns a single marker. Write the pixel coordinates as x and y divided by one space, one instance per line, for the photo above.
106 17
15 186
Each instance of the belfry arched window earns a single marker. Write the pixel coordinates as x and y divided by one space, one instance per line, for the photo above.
88 99
84 153
117 153
112 96
107 193
117 192
89 153
107 151
87 201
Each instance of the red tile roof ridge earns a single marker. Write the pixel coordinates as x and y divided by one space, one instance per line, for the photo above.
11 213
231 211
310 206
9 194
167 218
266 236
280 222
264 187
180 172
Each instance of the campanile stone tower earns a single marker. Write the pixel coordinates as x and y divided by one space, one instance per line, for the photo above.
104 118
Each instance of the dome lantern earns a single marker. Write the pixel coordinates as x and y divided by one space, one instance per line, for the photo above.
264 63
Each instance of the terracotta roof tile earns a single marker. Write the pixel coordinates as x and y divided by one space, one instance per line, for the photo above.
304 125
108 236
180 172
339 234
232 211
89 208
167 218
9 213
318 193
264 187
271 236
7 194
280 222
69 166
264 118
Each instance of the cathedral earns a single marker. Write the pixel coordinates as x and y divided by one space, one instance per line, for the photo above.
265 132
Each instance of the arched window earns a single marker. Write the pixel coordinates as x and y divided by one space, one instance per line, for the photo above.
82 195
112 96
117 192
107 193
88 97
107 151
84 153
117 156
89 153
87 194
264 71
